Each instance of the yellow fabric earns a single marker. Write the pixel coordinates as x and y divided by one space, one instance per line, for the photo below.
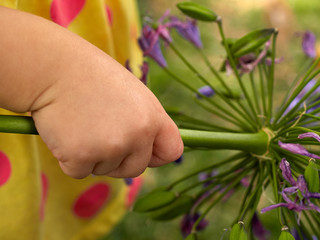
113 26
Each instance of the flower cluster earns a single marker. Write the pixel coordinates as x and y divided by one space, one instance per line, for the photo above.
274 146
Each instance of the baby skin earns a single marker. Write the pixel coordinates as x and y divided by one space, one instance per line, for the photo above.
93 115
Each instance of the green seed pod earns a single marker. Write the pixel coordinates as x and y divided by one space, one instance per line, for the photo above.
179 206
251 42
238 232
311 175
197 11
154 200
285 235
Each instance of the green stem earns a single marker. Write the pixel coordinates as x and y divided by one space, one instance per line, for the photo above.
215 72
17 124
299 88
235 157
250 142
262 90
234 68
221 95
271 78
255 94
224 116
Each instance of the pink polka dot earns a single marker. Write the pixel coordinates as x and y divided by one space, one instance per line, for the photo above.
44 183
134 189
5 168
92 200
109 15
63 12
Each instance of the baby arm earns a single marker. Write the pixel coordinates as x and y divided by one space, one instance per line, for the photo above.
94 116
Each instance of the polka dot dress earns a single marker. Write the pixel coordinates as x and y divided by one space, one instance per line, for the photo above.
37 200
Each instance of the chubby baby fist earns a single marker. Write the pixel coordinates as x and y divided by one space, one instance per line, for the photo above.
97 118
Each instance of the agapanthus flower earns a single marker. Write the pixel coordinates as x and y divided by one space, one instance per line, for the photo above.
187 223
247 62
150 45
297 149
309 44
205 91
188 30
299 204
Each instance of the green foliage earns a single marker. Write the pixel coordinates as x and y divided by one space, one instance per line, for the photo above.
311 175
176 208
154 200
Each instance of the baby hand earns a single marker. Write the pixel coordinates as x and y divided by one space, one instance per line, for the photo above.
100 119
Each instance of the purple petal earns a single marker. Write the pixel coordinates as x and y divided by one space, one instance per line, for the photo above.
206 91
314 195
297 149
266 209
150 45
309 135
286 171
309 44
302 185
290 190
314 207
188 30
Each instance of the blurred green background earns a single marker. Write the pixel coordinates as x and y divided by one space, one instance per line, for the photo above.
291 18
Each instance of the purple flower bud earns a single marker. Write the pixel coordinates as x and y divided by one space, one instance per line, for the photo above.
309 44
206 91
286 172
309 135
150 45
257 228
188 221
297 149
188 30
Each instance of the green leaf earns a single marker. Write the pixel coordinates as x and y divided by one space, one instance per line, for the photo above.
311 175
154 200
251 42
285 236
197 11
180 205
238 232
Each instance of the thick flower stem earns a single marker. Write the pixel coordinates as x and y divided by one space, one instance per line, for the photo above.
17 124
250 142
256 143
